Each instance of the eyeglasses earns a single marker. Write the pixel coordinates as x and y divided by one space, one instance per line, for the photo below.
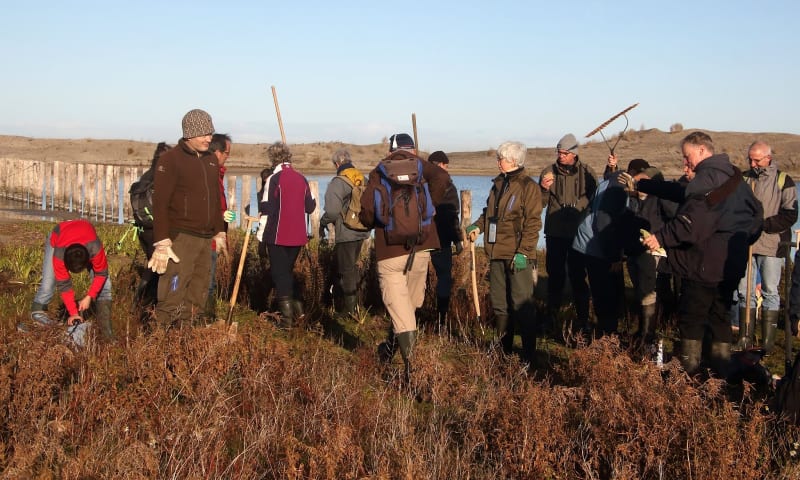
564 153
757 160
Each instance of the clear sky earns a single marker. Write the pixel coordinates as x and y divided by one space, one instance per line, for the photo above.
476 73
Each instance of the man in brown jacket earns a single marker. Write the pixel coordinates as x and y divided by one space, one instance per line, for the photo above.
186 215
403 268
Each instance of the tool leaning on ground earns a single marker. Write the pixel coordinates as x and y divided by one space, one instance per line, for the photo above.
247 233
474 277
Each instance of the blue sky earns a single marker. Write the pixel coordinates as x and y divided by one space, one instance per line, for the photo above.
475 73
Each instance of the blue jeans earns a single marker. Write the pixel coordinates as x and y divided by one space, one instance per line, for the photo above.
47 287
769 270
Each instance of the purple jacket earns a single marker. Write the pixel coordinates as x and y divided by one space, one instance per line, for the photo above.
287 199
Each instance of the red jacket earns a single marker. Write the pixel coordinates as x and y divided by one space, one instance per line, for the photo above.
83 233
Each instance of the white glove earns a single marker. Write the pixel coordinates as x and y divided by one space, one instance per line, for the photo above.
221 243
161 257
229 216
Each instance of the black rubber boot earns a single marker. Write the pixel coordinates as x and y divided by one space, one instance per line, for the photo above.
747 330
387 348
298 310
286 312
720 359
769 327
442 307
103 318
406 341
349 305
503 337
691 352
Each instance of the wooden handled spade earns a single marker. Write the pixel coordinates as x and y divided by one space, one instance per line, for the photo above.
247 232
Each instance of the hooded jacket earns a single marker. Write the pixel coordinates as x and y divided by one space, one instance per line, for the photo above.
83 233
780 209
515 201
186 194
337 198
720 218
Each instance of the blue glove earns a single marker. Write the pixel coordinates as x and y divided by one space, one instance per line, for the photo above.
229 216
520 262
470 229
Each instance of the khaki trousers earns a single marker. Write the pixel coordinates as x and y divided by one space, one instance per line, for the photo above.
403 294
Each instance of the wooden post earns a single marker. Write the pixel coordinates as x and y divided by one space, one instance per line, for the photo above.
91 189
314 187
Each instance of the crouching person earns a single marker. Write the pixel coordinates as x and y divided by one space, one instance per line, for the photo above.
72 247
510 223
404 236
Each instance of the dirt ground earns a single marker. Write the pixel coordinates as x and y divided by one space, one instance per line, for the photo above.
659 148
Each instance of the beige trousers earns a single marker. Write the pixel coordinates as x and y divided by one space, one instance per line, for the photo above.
403 294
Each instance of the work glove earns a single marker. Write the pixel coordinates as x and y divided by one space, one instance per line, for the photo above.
519 262
221 243
627 182
229 216
162 255
472 233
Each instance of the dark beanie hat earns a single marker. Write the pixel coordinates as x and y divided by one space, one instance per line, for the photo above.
400 141
438 157
197 123
637 166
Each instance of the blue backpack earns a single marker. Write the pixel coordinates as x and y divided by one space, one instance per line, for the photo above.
403 205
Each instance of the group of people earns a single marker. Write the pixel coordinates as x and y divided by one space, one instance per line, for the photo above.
698 232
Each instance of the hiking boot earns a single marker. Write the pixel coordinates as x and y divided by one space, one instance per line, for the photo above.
41 317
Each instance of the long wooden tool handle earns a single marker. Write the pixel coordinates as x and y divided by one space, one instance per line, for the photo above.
278 111
414 126
474 276
239 270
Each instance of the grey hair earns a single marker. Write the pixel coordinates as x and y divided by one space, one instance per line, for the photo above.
341 156
514 151
762 145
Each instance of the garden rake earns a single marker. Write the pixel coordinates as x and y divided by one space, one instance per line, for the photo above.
607 122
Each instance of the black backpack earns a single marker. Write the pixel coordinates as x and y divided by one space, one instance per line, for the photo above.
403 205
141 195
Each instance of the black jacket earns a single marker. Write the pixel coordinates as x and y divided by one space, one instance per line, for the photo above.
719 219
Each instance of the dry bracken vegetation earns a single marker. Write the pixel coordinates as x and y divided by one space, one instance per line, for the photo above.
258 402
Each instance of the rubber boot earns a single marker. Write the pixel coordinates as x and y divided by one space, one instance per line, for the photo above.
103 318
442 307
286 312
721 359
691 352
406 341
297 310
349 305
747 330
527 327
503 338
387 348
769 327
